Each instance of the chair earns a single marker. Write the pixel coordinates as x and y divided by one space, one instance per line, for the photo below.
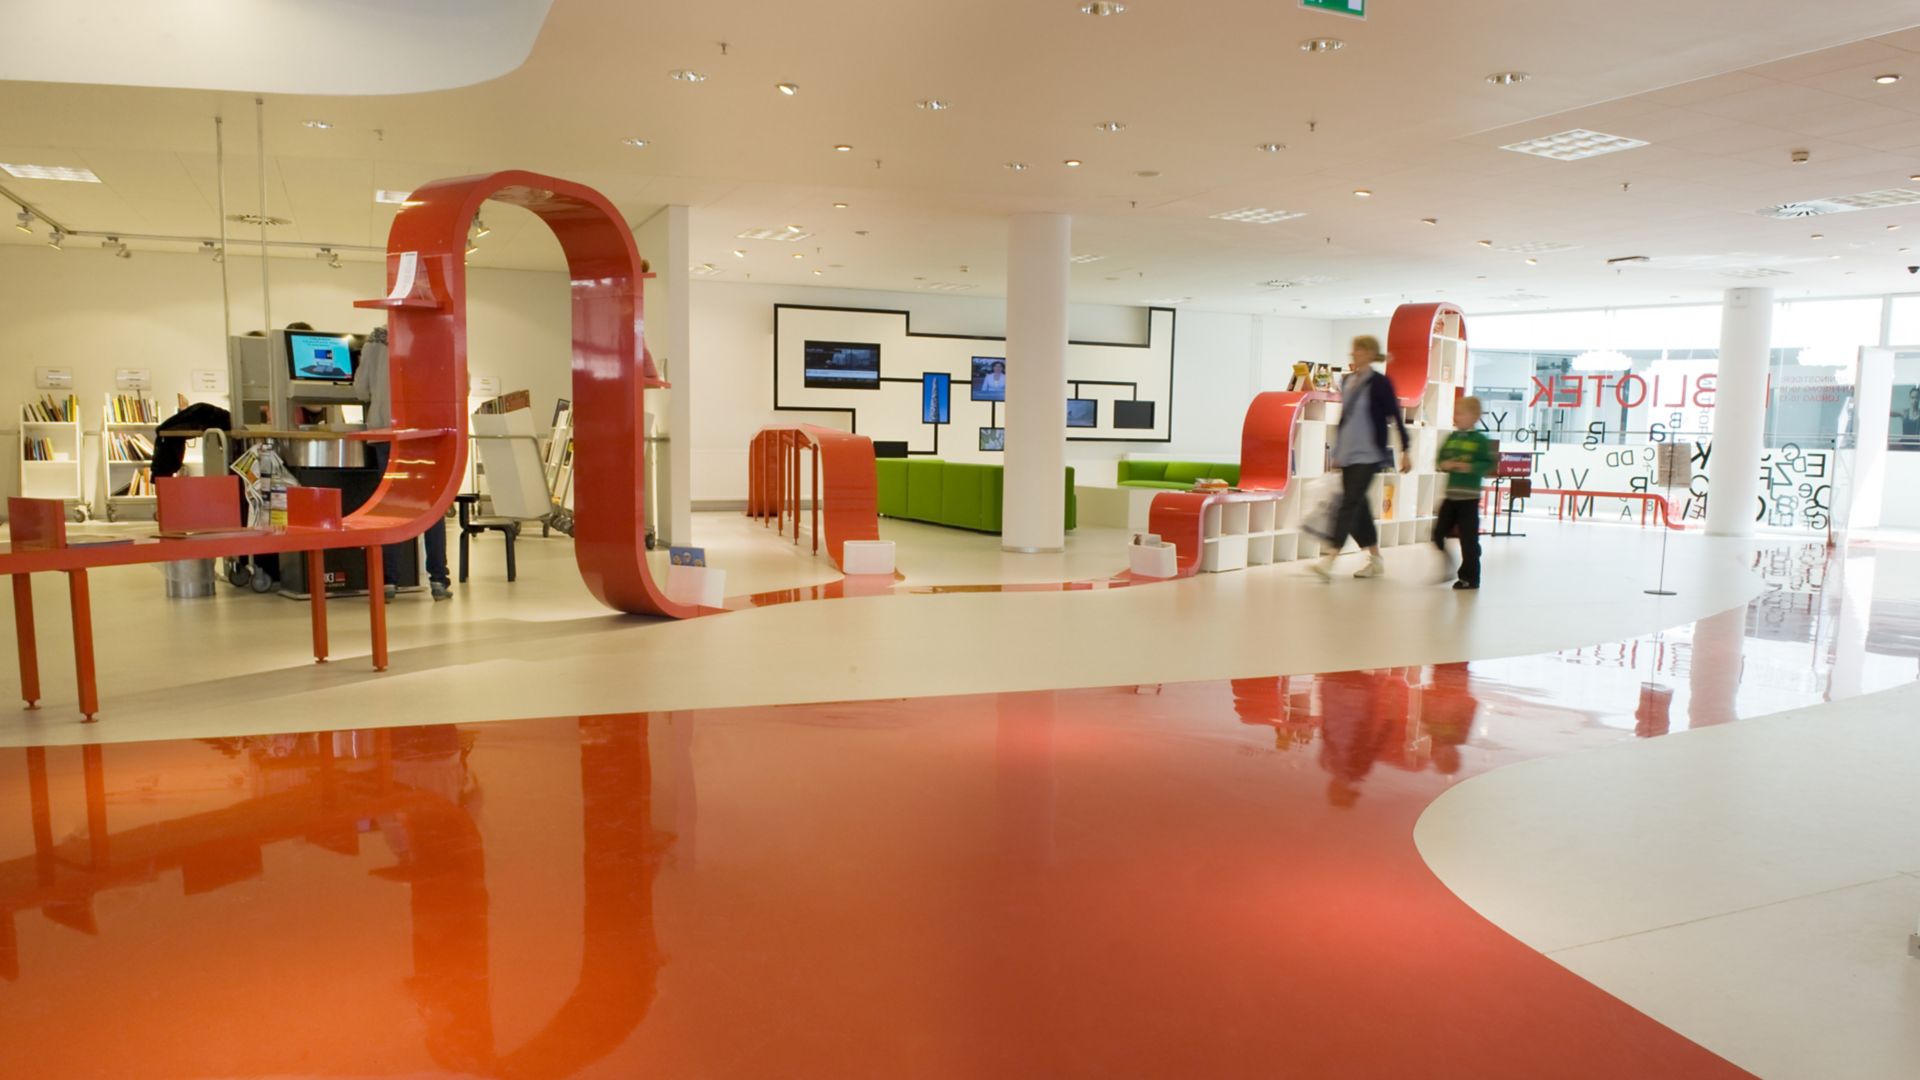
509 456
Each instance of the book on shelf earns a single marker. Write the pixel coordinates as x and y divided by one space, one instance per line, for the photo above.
141 485
132 409
37 450
125 447
51 410
1311 377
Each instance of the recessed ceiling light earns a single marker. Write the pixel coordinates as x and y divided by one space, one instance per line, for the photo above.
1835 256
1322 45
739 253
391 198
1109 126
1271 147
787 234
934 105
1257 215
1072 163
1017 166
317 125
1886 80
1102 8
635 142
1486 243
787 88
1363 193
1574 145
1086 258
1429 221
793 228
1818 236
1893 228
798 255
1508 78
1147 174
842 148
1533 262
1915 178
817 273
686 75
839 206
51 172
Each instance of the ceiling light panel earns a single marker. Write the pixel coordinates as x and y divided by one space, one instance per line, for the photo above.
949 286
1843 204
51 172
1520 298
788 235
1753 273
1257 215
1087 258
1575 145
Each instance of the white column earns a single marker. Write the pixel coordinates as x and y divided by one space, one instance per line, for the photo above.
1033 515
1740 411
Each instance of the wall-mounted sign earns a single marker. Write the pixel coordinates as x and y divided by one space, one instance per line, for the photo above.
209 381
53 378
486 386
127 378
1355 8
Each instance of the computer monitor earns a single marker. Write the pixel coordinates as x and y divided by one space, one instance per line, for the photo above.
1133 414
886 448
314 357
989 378
1083 412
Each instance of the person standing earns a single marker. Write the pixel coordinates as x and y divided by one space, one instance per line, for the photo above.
373 385
1467 458
1367 407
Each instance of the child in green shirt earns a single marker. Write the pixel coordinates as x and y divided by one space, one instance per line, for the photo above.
1466 456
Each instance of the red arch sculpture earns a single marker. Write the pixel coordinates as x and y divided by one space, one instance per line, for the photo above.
843 511
427 301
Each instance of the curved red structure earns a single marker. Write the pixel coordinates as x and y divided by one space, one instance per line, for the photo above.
1410 347
845 487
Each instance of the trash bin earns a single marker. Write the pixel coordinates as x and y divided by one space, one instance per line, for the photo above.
188 578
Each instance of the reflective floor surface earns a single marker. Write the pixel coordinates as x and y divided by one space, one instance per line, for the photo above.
1196 879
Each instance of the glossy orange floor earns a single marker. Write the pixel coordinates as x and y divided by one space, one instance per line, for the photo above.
1205 879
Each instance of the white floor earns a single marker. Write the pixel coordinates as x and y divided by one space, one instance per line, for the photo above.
541 647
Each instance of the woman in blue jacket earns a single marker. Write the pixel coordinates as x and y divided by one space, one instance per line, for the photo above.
1367 407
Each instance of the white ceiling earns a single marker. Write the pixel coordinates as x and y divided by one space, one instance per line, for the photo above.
1722 90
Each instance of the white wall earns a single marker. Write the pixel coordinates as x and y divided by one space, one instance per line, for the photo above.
1901 508
1220 360
86 310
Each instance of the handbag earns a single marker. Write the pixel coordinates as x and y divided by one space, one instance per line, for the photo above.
1323 507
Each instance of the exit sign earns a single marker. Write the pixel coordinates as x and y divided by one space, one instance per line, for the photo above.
1355 8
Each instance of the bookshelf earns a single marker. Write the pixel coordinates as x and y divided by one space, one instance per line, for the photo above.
50 462
128 424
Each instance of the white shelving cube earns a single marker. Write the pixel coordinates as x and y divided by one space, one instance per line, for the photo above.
1262 516
1210 524
1224 553
1235 518
1310 448
1259 549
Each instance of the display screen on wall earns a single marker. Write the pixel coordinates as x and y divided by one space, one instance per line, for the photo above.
842 365
1903 427
989 378
320 357
936 398
1133 414
1083 412
993 439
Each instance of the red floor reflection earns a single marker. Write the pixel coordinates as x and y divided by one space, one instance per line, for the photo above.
1205 879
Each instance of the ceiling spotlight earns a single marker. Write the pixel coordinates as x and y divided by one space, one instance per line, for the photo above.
1102 8
1147 174
1017 166
125 252
1429 221
635 142
1363 193
317 125
1271 147
1817 236
1893 228
797 255
843 148
1072 163
1533 262
793 228
686 75
117 247
1110 126
817 273
933 105
787 88
25 221
739 253
1322 45
335 261
1508 78
1886 80
472 247
1486 243
839 206
480 228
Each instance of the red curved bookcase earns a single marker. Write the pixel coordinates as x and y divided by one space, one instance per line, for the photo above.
845 487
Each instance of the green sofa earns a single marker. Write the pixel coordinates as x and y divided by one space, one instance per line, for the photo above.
948 493
1175 475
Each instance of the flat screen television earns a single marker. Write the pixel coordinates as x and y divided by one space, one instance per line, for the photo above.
1133 414
989 378
993 439
885 448
936 398
842 365
1083 412
325 358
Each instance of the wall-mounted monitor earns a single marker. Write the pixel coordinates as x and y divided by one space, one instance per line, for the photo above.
993 439
936 398
989 378
842 365
884 448
323 358
1133 415
1083 412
